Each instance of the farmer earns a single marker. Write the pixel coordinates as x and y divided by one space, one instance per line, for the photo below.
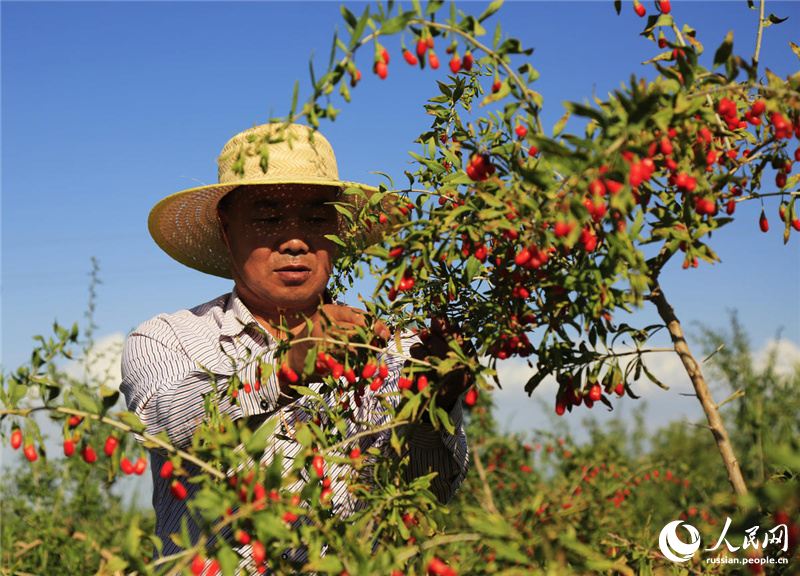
267 232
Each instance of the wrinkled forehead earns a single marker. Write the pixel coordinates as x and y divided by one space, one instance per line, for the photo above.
279 196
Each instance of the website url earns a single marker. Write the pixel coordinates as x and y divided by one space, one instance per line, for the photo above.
726 560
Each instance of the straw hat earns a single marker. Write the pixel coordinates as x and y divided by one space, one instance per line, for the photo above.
185 225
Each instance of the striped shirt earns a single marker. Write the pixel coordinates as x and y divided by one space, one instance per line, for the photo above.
166 363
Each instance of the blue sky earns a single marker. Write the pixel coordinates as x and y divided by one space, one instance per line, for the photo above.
107 107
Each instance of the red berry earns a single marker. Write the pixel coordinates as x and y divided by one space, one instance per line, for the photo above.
619 390
259 552
588 239
561 406
471 397
30 452
410 58
422 383
89 455
438 568
385 55
355 453
758 108
318 463
467 61
595 392
638 8
74 421
562 229
69 447
731 207
433 59
383 371
110 445
166 469
664 6
140 466
198 564
521 131
177 490
763 223
242 537
125 465
796 224
496 86
533 150
368 370
780 179
381 69
422 47
16 439
455 64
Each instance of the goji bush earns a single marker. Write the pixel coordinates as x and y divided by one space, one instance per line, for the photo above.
536 243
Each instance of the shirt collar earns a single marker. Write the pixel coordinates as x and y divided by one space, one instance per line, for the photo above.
236 317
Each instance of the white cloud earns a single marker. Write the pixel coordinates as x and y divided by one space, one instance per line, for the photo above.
103 363
515 411
787 356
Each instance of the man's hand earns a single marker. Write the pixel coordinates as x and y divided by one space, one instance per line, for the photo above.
331 322
435 344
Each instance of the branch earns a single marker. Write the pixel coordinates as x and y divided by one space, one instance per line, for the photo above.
701 388
760 33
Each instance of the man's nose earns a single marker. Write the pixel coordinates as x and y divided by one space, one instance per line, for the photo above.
294 238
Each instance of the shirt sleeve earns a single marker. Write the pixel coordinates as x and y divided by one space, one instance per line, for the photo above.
165 380
429 450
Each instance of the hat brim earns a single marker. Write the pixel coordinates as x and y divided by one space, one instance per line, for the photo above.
186 227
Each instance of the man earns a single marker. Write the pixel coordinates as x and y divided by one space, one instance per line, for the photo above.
269 232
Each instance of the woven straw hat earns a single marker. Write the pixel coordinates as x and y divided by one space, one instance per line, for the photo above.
185 225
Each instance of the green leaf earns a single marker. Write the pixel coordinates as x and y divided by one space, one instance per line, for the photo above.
336 240
397 23
348 17
724 52
359 29
258 441
559 127
535 380
109 396
228 561
330 564
131 420
795 48
493 7
433 6
85 400
505 90
772 19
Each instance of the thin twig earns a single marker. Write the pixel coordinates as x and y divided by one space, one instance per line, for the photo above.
760 33
707 358
489 504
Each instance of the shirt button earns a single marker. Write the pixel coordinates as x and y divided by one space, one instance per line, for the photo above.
285 555
264 405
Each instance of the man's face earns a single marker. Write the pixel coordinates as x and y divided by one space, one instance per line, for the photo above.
281 258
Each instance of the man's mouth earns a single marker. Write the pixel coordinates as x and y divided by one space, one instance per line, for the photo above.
294 268
293 273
